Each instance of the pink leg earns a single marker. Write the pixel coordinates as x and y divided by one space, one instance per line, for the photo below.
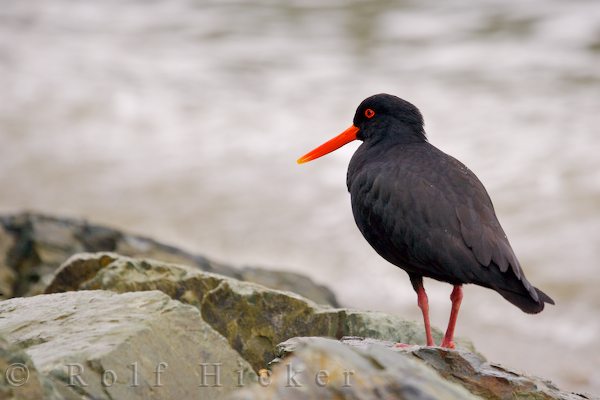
456 298
423 303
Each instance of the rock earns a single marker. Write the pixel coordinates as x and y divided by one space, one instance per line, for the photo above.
289 281
103 345
32 246
110 271
321 368
112 321
468 369
20 379
475 373
488 380
253 318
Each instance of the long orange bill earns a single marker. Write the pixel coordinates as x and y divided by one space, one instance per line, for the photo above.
343 138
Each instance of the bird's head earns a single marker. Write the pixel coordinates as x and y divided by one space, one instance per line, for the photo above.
379 117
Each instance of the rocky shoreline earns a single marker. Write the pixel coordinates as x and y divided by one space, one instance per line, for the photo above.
90 312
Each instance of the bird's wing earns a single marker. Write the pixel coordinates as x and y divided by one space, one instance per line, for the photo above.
439 214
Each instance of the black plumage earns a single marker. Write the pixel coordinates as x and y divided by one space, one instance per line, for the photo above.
424 211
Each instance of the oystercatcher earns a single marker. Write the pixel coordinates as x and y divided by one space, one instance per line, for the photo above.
426 212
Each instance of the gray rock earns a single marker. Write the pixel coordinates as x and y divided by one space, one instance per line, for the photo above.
253 318
103 345
103 331
234 323
489 380
467 369
321 368
32 246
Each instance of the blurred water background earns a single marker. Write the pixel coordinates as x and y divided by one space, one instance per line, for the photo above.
183 119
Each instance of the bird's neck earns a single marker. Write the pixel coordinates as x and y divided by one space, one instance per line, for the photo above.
406 133
397 134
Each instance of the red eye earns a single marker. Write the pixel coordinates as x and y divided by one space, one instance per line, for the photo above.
369 113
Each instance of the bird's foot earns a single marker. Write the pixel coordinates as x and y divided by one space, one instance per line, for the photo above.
402 345
449 344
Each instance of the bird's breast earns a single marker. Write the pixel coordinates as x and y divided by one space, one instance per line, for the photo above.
381 198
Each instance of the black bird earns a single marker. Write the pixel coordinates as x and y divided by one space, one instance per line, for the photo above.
424 211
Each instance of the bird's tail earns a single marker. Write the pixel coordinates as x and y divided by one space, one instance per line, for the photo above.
525 301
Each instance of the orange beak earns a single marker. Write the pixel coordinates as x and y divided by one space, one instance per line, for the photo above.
343 138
